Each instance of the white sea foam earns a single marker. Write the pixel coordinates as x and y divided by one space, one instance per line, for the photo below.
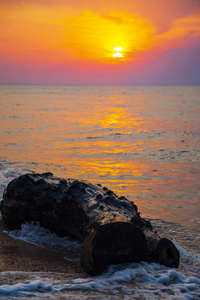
151 281
36 285
33 233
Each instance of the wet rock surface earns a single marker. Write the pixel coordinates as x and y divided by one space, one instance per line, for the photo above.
109 226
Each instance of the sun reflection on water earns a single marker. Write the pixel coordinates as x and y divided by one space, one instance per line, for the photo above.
112 136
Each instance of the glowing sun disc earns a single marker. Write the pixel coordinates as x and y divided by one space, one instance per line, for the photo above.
118 48
117 54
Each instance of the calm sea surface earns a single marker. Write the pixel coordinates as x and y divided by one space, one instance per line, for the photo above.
142 142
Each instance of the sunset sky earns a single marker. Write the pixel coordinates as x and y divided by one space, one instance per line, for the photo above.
100 42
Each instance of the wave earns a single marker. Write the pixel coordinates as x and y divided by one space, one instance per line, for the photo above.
33 233
148 280
136 280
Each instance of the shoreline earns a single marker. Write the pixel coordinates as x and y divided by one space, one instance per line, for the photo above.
20 256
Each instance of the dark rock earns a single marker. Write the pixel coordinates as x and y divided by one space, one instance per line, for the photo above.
113 243
167 254
62 205
90 213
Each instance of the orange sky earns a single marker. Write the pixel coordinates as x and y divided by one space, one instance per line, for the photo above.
103 42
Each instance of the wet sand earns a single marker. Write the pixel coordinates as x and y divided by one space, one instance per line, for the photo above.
16 255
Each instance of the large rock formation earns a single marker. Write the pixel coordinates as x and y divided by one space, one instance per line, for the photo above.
109 226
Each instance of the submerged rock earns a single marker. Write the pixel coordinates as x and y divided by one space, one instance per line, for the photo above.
109 226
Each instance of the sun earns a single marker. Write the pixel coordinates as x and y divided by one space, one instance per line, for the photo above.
118 52
118 49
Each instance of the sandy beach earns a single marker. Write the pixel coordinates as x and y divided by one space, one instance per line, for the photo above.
19 256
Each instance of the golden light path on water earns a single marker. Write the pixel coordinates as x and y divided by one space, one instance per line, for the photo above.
122 142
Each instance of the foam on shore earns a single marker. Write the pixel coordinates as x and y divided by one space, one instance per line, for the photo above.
151 281
33 233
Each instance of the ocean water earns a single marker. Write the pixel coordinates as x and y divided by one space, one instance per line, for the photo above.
143 143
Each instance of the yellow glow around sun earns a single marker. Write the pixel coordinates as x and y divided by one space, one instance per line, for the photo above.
110 38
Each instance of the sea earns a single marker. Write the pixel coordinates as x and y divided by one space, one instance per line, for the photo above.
142 142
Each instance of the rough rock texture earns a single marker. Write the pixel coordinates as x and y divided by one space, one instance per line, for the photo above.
65 206
82 210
